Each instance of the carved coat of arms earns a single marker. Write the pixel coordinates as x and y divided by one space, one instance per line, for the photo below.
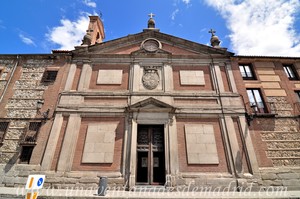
150 78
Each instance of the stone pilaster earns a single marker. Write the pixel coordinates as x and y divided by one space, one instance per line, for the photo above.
69 144
173 143
219 78
236 153
51 145
70 77
168 78
133 154
85 77
231 78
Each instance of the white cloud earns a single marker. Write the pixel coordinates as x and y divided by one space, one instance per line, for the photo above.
69 33
26 40
261 27
90 3
174 13
186 1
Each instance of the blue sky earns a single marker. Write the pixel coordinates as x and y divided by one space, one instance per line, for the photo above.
246 27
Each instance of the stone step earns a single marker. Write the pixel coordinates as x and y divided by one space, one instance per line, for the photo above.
149 188
282 140
279 131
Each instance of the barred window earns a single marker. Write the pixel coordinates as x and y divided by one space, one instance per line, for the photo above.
3 129
26 154
49 76
30 136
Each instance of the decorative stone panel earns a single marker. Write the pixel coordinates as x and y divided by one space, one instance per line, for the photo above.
201 144
31 76
280 106
18 123
278 135
33 69
69 100
25 84
2 84
195 77
18 113
100 143
14 133
35 63
10 146
21 103
28 94
110 77
3 75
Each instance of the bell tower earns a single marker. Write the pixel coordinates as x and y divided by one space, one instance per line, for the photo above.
95 32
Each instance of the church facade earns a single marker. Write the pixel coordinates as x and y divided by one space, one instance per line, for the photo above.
147 109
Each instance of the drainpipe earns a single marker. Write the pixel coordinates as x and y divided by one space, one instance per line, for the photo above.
9 80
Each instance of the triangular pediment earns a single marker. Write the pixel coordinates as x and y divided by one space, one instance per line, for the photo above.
171 45
144 52
150 104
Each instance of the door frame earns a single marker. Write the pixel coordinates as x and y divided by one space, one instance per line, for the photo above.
133 144
150 155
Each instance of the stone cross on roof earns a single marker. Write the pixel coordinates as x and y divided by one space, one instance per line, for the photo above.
212 32
151 15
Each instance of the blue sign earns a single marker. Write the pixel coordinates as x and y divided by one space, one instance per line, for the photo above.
40 182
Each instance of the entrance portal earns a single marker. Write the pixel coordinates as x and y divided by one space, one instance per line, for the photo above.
150 155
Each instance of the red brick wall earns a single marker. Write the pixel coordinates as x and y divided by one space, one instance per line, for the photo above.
182 153
115 166
50 99
225 78
177 51
125 50
10 91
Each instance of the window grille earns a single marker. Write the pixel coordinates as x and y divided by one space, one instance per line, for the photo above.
49 76
26 154
3 129
30 136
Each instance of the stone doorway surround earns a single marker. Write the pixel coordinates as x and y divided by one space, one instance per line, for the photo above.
152 112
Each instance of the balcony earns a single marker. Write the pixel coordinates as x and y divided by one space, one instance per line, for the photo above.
30 136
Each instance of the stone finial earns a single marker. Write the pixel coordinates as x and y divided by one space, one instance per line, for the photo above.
214 40
87 39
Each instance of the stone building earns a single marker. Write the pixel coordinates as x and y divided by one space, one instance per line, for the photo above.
270 88
146 109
